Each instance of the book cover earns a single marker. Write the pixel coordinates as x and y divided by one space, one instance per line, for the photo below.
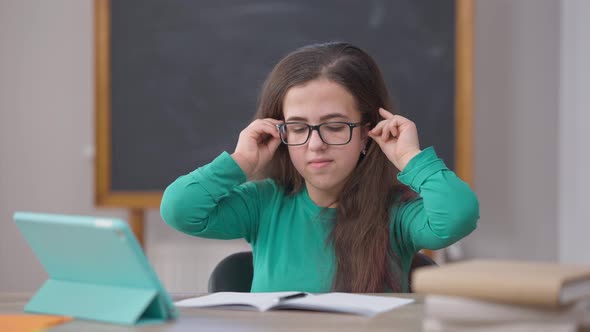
435 325
468 310
516 282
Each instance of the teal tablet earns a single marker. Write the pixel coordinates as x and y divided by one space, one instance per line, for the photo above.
96 270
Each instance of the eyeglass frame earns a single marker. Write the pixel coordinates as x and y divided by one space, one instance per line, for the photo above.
311 128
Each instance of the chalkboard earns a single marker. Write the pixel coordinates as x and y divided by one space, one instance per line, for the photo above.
177 80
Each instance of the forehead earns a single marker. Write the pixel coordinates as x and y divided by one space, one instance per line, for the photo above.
318 99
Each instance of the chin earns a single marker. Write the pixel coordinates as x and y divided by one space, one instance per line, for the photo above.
325 184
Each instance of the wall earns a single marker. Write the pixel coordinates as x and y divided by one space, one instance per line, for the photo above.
47 135
46 99
574 136
516 136
529 123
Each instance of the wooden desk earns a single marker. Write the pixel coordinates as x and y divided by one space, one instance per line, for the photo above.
407 318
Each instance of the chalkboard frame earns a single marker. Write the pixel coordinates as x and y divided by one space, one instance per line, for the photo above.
105 196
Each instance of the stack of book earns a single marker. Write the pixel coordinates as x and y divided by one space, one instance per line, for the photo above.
508 296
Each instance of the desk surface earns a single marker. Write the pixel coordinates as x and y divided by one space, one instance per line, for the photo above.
407 318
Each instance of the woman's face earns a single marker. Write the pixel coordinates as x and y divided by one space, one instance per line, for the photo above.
324 167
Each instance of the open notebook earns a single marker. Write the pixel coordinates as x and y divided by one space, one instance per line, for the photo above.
365 305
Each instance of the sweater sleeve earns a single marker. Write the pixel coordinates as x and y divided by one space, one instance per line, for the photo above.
214 201
445 211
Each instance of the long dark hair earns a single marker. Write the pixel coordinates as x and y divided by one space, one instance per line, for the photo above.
364 258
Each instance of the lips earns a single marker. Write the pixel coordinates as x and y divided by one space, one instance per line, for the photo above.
320 162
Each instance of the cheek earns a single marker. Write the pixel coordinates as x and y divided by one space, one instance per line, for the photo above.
297 157
356 144
349 157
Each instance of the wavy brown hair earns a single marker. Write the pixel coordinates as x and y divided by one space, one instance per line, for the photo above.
365 261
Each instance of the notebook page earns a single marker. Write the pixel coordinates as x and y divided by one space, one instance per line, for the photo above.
260 301
367 305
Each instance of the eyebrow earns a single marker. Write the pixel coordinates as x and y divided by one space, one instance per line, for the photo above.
323 118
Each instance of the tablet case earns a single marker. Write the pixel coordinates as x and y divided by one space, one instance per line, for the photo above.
96 270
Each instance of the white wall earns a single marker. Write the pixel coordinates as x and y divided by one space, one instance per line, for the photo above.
516 132
531 130
526 163
46 98
574 136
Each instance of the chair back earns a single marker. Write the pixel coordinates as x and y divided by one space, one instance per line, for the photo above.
419 260
235 272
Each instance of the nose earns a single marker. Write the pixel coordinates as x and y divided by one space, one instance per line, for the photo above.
315 141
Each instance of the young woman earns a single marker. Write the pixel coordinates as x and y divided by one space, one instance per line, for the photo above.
344 196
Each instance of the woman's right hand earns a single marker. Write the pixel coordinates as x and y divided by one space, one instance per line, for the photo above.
256 145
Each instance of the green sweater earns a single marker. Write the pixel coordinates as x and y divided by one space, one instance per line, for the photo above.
288 233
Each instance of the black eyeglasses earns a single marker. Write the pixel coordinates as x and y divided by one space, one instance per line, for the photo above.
331 133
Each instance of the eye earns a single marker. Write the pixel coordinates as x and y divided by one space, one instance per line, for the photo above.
297 128
336 127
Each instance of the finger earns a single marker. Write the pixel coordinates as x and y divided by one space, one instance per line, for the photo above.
379 127
385 114
397 122
386 131
270 127
401 119
274 123
273 144
271 120
260 130
393 128
378 139
403 124
265 137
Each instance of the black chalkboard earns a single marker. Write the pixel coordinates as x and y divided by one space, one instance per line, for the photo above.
185 75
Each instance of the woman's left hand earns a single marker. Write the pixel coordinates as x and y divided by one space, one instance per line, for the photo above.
397 137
